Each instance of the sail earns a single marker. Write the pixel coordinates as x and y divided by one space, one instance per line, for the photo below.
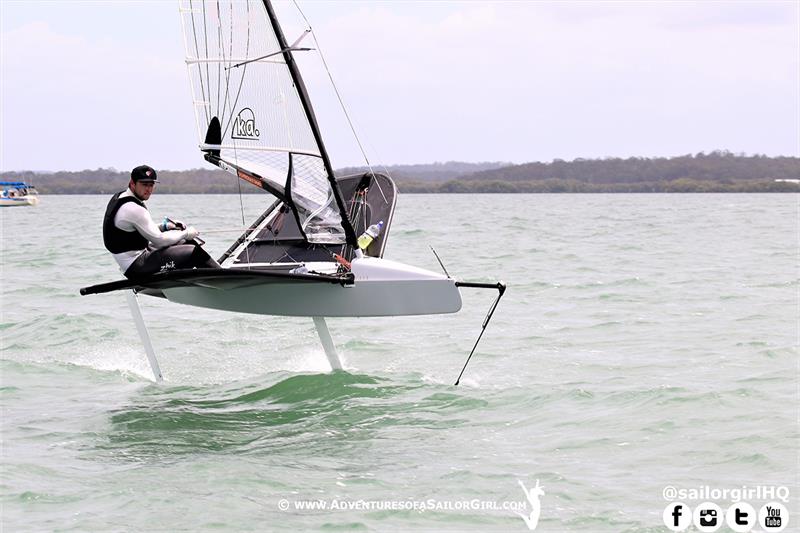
253 115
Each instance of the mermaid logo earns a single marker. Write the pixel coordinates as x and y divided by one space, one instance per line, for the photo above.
533 495
244 127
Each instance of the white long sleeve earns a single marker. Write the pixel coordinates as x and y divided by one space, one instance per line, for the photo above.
133 217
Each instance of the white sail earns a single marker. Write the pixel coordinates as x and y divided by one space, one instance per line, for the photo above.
239 75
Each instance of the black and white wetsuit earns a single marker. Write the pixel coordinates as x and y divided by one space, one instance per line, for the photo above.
138 244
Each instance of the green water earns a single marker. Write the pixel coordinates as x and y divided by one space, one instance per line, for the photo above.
644 341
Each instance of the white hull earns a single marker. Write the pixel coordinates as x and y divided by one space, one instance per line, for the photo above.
381 288
12 201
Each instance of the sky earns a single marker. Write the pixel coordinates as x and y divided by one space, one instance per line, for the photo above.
87 85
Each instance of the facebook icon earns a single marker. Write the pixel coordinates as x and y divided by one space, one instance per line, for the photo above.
677 516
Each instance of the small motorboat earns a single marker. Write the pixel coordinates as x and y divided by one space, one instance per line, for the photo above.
17 193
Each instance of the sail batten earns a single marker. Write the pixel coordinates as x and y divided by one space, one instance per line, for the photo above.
205 146
225 60
244 79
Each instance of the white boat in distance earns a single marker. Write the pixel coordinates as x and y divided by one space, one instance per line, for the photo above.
17 193
300 257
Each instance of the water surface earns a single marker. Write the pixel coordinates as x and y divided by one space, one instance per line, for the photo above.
644 341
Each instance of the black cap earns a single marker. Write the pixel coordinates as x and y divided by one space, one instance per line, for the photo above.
143 173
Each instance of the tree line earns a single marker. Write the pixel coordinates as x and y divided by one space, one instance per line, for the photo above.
718 171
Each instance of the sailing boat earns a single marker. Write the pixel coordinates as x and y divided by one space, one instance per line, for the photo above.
301 256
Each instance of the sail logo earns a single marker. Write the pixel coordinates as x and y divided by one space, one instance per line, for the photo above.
244 126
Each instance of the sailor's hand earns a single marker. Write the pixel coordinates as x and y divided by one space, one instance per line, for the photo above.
169 224
191 233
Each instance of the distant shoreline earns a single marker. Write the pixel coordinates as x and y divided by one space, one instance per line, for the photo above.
715 172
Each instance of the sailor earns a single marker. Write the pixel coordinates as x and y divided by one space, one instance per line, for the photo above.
139 245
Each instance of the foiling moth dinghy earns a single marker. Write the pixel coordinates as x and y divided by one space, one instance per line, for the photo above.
301 256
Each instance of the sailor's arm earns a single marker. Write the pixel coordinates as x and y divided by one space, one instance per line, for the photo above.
136 217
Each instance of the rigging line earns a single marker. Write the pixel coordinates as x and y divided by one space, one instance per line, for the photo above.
233 141
205 39
380 189
197 54
440 261
339 96
230 53
382 166
354 210
283 248
354 214
288 49
229 230
219 40
241 204
225 130
244 71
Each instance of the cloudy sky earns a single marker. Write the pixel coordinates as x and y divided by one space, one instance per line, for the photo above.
103 84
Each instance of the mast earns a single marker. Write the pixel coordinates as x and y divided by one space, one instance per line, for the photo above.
350 234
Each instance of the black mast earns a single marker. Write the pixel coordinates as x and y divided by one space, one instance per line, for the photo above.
350 234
